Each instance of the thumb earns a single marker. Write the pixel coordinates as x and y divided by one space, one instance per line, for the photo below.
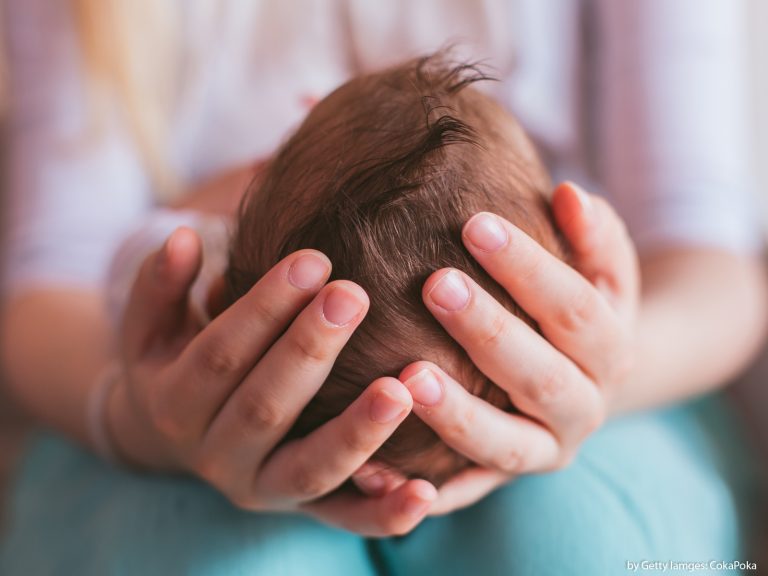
157 308
601 248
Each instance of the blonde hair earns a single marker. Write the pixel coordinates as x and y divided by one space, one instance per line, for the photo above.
4 81
130 50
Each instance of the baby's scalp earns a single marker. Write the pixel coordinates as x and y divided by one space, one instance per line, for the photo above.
381 177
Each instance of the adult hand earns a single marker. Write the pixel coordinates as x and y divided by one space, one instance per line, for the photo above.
218 401
562 380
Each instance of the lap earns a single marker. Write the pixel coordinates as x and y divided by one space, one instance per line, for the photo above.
655 486
72 514
659 486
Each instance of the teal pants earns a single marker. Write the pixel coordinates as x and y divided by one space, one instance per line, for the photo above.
671 485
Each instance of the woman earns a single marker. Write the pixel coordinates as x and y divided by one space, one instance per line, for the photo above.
236 77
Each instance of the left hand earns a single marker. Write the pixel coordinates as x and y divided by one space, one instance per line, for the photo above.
562 381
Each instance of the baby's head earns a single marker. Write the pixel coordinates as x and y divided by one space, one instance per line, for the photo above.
381 177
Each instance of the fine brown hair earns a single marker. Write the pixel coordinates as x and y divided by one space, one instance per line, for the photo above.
381 177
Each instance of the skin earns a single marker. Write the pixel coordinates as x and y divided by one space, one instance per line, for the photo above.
608 347
648 350
227 433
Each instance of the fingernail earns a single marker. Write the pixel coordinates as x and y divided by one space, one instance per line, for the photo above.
308 271
451 292
486 232
341 307
425 388
386 407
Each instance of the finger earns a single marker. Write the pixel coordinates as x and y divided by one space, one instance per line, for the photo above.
540 380
158 302
601 248
571 313
376 479
217 360
396 513
466 423
264 407
311 467
466 488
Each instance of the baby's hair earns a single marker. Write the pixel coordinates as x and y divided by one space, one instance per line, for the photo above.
381 177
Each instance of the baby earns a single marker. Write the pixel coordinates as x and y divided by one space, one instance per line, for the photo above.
381 177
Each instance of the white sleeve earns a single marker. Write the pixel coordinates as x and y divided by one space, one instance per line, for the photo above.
674 151
71 193
155 228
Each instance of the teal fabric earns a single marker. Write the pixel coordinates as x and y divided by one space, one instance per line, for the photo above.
672 485
675 485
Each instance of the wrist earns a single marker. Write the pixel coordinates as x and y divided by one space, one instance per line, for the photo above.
95 412
132 442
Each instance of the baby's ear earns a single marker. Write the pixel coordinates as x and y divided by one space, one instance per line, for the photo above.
216 301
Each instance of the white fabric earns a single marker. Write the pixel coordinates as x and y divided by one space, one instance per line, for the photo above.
156 227
644 100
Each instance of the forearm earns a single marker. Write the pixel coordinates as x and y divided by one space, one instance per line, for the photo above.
702 318
221 195
55 343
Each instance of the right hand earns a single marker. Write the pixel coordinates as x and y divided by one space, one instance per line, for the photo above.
218 401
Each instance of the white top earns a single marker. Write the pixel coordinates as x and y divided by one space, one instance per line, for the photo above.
645 101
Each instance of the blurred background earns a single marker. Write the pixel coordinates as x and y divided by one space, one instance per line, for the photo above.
14 427
758 50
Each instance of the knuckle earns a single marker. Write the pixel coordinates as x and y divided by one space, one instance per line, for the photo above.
461 424
255 412
307 483
495 333
310 348
357 440
259 309
509 461
579 312
531 270
219 360
550 388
